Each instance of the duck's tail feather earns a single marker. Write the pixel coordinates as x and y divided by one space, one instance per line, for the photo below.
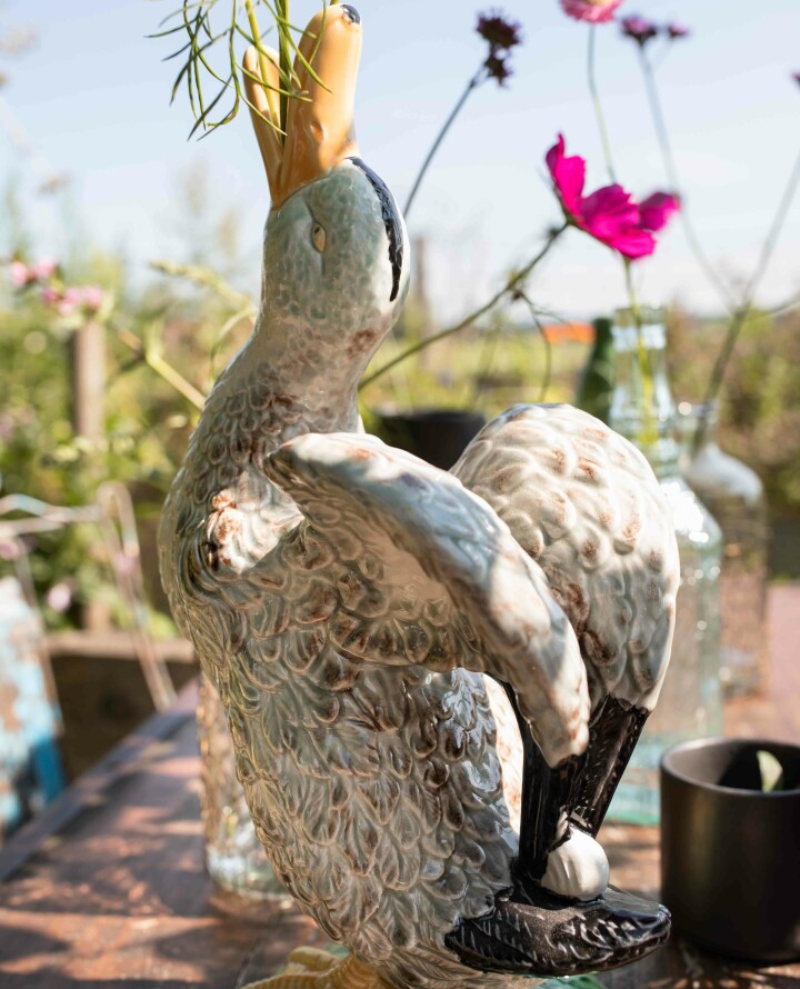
579 790
614 730
546 794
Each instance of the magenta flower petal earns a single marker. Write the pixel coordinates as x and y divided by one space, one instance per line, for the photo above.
634 243
657 210
609 214
593 11
609 210
569 176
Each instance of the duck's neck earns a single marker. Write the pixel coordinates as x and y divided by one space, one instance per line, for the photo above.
290 385
313 371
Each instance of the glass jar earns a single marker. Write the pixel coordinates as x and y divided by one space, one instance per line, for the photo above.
690 705
235 858
734 495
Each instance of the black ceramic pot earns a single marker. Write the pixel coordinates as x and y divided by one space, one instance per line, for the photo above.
438 436
730 854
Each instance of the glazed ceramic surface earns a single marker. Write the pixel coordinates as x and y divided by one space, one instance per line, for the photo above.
432 690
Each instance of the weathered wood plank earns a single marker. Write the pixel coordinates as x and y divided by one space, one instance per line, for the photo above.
114 644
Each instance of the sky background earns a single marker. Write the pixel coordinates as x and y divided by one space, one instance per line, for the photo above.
94 97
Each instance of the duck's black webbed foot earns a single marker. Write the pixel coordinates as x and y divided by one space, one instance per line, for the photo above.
532 931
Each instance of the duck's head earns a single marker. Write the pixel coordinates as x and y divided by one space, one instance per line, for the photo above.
335 248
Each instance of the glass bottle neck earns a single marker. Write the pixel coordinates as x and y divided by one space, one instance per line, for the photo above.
697 426
642 408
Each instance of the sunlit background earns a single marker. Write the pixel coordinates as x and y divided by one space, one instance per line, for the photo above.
90 100
129 267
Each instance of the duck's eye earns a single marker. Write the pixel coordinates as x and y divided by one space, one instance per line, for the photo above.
318 237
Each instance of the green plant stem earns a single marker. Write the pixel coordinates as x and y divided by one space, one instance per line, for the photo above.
163 369
737 313
485 362
648 434
548 348
743 311
285 57
475 81
206 278
511 284
662 134
264 64
596 102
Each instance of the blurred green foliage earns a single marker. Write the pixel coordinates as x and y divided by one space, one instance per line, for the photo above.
168 335
760 407
175 320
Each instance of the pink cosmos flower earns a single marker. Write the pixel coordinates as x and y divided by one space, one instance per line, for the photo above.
51 296
639 28
593 11
609 215
19 273
10 550
92 297
59 596
656 211
44 268
70 300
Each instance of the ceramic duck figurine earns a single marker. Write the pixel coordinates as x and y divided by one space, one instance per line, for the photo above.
433 680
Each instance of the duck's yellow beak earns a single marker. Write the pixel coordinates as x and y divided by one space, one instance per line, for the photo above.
319 130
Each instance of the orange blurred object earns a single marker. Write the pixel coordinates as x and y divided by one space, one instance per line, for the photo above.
556 333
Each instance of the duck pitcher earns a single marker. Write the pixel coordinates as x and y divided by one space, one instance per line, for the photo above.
433 680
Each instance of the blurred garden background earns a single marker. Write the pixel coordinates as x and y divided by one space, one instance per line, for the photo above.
131 257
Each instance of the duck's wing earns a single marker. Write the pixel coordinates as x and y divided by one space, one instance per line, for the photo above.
430 576
585 505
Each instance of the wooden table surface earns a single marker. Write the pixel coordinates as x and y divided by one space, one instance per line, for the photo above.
107 888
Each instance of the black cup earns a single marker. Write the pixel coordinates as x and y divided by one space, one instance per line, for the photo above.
730 853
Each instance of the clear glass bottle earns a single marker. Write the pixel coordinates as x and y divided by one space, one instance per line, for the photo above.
734 495
690 705
235 859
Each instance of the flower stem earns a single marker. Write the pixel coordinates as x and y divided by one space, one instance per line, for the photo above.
264 64
740 315
285 50
479 77
511 283
737 313
596 102
662 133
548 348
648 434
163 369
